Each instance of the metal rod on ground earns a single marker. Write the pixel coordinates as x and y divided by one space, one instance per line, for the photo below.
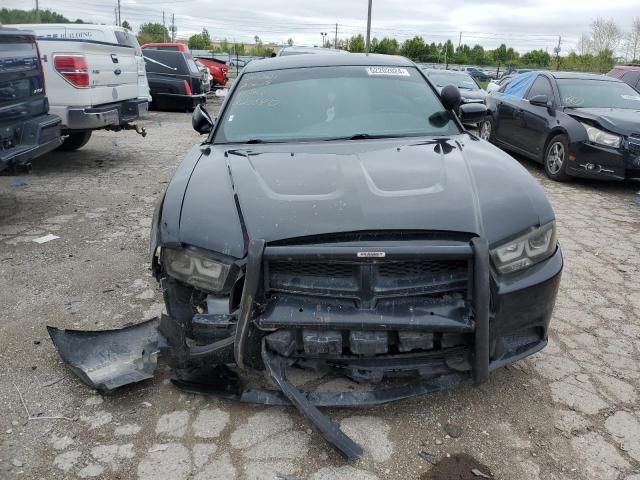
369 27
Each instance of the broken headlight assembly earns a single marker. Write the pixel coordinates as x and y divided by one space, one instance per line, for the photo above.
526 250
196 267
602 137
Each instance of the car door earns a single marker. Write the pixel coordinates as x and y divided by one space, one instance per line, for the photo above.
533 122
505 120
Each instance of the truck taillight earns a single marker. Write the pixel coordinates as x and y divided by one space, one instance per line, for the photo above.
187 87
73 69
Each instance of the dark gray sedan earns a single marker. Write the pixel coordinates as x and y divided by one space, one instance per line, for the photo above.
469 89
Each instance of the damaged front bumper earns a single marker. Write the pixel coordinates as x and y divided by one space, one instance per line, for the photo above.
414 335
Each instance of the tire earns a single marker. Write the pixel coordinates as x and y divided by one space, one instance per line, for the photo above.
74 141
485 130
555 158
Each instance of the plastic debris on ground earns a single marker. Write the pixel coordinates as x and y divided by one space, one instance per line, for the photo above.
20 182
46 238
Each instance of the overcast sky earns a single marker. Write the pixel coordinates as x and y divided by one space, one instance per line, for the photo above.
525 25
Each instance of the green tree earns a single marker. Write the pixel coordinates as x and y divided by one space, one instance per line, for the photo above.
200 41
536 58
477 55
357 44
386 46
414 49
9 16
500 56
126 25
152 33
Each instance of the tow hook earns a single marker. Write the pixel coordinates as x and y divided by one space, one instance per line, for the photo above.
129 126
139 130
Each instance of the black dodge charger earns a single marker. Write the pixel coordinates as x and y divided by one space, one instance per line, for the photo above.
576 124
338 216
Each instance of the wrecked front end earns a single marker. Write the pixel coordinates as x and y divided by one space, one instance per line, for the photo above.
407 317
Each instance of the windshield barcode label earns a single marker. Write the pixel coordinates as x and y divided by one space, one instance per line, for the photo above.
395 71
372 254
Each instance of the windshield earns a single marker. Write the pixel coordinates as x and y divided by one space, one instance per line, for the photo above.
583 93
460 80
325 103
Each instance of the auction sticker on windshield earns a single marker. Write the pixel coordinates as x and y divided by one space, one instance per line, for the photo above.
394 71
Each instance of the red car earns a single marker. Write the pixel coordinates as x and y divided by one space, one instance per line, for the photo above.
629 74
219 71
180 47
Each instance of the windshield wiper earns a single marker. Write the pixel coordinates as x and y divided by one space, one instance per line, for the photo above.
364 136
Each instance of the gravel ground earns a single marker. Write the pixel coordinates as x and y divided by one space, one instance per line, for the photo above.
570 411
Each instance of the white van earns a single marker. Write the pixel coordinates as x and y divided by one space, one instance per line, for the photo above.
95 77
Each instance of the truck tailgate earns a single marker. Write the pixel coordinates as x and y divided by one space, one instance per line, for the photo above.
113 72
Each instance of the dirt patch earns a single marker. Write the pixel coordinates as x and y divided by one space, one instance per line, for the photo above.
458 467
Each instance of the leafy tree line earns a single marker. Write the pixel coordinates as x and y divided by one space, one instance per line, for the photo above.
8 16
596 50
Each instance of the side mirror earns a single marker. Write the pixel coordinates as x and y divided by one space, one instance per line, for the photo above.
539 100
450 97
542 101
472 112
201 120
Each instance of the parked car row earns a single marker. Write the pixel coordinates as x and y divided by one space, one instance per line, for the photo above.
94 77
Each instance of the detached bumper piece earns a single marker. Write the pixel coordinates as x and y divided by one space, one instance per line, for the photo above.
109 359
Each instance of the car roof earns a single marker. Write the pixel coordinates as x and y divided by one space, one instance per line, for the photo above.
627 68
327 60
581 76
442 70
15 31
71 26
315 50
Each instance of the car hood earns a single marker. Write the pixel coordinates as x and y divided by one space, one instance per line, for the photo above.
277 192
623 121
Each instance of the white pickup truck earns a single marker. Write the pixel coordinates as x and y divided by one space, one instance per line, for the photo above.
95 77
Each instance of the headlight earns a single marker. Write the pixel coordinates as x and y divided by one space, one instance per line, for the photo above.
526 250
601 137
196 267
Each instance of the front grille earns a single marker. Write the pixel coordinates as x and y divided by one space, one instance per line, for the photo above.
634 145
367 281
435 267
336 270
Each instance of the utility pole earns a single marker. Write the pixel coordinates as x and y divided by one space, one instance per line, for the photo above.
335 40
115 10
369 28
164 30
460 40
37 12
119 14
557 50
173 28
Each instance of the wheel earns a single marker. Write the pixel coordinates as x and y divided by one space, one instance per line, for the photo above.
75 141
486 130
555 158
